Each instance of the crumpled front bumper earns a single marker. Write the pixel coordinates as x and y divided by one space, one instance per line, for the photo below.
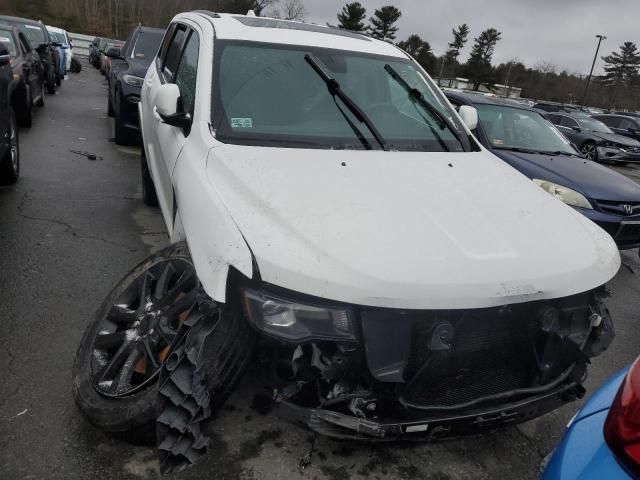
432 427
617 155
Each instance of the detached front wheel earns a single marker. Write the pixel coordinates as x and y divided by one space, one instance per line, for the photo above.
118 363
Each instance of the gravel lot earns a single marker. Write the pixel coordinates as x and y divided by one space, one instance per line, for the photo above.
72 227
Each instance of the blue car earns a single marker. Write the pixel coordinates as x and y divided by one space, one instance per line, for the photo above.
602 441
532 145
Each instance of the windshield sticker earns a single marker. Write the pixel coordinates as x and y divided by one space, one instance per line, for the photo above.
241 123
497 141
32 27
140 55
5 40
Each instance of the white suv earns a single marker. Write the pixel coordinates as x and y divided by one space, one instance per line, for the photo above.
403 281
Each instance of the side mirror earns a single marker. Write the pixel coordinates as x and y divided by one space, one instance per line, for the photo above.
166 107
633 130
114 52
576 129
56 44
469 116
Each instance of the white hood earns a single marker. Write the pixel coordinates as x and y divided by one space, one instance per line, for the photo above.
407 230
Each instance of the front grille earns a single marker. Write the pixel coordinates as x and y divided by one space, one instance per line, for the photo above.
632 149
625 209
491 352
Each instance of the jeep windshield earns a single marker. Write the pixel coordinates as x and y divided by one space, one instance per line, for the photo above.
510 128
268 95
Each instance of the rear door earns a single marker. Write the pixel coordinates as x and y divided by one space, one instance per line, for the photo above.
568 126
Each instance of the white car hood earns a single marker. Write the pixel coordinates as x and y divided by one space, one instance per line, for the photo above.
407 230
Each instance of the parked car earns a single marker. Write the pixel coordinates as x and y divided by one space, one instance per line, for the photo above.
625 125
65 49
93 50
556 107
105 61
601 441
326 201
9 135
525 140
595 140
40 40
130 65
626 114
27 86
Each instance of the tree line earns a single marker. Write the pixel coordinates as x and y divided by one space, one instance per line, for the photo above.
618 88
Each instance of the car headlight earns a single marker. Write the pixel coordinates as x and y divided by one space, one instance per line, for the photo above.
568 196
297 322
612 145
132 80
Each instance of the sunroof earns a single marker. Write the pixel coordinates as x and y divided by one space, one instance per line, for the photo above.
305 27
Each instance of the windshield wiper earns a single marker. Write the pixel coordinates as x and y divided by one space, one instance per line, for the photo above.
416 96
336 91
536 152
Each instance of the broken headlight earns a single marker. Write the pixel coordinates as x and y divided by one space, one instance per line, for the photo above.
297 322
568 196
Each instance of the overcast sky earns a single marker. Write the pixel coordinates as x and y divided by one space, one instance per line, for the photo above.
561 32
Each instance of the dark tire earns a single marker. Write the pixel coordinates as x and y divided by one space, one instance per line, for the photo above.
10 163
123 136
149 195
40 103
26 119
132 416
590 150
76 66
110 111
51 81
58 80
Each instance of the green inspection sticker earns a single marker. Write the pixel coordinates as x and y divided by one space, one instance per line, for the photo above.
241 123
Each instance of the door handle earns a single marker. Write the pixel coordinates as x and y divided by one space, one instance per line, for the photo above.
156 115
149 82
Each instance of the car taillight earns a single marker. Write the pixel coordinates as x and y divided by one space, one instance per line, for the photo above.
622 427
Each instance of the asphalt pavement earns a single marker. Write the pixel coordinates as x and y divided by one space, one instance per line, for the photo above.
72 227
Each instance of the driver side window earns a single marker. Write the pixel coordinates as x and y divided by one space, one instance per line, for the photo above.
187 72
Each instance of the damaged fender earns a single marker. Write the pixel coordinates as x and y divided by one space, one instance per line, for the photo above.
201 218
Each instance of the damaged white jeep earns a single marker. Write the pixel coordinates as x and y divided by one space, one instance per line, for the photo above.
334 220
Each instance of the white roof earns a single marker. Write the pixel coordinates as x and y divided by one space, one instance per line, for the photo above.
271 30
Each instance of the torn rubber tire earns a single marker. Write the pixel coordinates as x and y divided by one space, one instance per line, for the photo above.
210 355
125 315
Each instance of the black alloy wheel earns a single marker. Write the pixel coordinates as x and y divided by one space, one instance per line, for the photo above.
135 335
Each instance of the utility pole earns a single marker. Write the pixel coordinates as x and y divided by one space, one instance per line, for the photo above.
441 70
595 57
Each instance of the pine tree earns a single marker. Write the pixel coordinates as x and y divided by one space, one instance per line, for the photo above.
382 24
478 68
460 35
621 69
352 17
420 50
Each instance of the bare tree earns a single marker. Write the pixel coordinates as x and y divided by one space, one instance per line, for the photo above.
291 10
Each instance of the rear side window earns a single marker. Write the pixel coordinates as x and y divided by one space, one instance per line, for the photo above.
170 62
187 73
